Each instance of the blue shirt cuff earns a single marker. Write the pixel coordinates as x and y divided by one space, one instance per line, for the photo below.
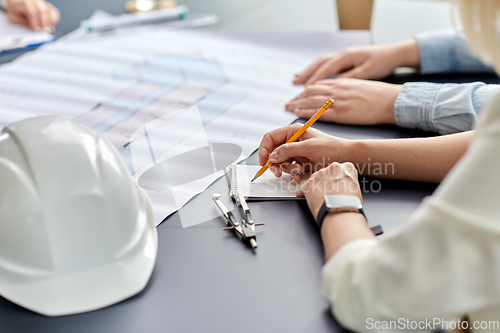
413 107
445 52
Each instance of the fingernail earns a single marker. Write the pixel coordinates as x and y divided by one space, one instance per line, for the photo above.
38 29
273 157
274 170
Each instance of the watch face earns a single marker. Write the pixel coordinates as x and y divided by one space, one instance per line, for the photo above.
341 202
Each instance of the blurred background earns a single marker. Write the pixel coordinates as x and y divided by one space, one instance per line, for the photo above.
384 18
389 20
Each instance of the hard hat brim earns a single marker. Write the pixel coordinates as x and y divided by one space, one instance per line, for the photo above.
84 291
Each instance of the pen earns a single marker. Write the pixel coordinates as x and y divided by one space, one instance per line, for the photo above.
22 46
135 19
297 135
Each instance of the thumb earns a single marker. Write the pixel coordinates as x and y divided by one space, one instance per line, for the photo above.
290 150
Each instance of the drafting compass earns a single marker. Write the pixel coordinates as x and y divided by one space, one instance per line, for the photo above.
246 229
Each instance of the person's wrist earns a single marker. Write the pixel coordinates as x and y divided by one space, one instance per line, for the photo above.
389 115
340 220
340 150
406 54
339 229
358 153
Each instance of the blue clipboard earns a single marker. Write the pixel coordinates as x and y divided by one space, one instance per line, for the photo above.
27 47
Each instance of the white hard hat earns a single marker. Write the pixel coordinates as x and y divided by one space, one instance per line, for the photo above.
76 232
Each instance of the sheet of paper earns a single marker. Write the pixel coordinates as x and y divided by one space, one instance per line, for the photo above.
266 187
121 85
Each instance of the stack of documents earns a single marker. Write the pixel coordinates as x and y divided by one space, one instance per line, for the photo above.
15 38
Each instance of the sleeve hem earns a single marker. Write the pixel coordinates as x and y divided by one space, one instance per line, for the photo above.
436 51
414 106
334 265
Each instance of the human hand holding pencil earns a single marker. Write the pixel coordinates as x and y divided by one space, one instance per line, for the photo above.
314 148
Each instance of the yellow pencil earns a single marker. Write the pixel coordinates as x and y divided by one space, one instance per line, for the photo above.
297 135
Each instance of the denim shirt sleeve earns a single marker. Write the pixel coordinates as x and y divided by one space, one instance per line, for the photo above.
445 52
442 108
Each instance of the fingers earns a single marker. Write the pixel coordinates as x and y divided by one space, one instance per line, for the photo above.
305 113
48 15
17 18
274 139
302 77
278 173
338 178
287 166
276 170
55 14
291 168
36 14
316 89
296 179
300 193
290 151
330 67
45 16
32 13
356 73
310 102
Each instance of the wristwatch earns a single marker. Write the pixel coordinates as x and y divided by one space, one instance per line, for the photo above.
341 203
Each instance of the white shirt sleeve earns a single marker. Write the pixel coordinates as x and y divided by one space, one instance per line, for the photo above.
444 263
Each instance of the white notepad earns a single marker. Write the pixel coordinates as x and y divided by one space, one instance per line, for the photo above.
266 187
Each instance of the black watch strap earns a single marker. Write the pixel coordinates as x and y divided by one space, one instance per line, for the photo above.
377 230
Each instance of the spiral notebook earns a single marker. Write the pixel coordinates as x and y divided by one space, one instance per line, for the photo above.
266 187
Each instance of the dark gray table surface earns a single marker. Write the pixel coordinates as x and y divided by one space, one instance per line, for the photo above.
205 279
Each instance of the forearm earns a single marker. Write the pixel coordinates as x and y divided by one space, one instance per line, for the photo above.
416 159
339 229
406 53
